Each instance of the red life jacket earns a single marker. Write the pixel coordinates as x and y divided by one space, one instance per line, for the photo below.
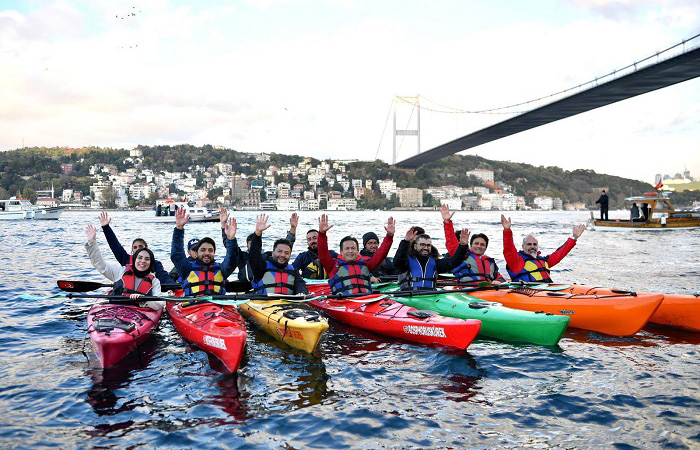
125 286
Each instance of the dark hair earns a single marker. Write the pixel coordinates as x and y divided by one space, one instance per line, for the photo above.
422 236
349 238
282 241
312 231
479 235
152 266
139 239
249 238
420 231
206 240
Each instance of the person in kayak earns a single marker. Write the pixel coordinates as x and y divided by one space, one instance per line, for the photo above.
419 261
476 266
308 262
132 280
370 244
273 274
350 273
203 276
125 258
191 256
528 264
245 271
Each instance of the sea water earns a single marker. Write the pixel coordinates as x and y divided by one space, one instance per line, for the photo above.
360 390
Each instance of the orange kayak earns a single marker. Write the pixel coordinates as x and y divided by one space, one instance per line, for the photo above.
617 314
677 310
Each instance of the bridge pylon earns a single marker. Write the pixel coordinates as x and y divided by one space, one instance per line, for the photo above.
407 106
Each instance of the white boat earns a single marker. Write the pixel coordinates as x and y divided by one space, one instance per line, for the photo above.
18 208
167 213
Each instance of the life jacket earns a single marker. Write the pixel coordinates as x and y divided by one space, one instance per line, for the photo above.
204 280
352 277
475 268
315 271
125 286
536 269
418 278
276 280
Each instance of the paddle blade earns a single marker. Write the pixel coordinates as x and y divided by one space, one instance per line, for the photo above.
79 286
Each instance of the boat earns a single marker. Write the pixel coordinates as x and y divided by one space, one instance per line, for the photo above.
216 329
616 314
18 208
677 310
167 213
294 324
497 321
663 216
116 329
383 315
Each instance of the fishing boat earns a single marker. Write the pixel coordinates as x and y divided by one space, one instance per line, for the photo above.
165 213
18 208
116 330
662 216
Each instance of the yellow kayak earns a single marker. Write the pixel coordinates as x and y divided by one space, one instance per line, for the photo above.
291 323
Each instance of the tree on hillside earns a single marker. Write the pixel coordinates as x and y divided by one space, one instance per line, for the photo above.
109 198
29 194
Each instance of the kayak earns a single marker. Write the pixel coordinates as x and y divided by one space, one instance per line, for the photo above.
116 330
677 310
497 321
616 314
218 330
383 315
291 323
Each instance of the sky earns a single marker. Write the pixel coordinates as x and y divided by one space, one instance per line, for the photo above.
319 77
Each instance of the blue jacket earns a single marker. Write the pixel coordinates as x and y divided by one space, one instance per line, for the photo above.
184 266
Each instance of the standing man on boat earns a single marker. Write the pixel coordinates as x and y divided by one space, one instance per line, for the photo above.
349 272
125 258
528 264
308 262
420 262
203 276
476 266
273 274
603 200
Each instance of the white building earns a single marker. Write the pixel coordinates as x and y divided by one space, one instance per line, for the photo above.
308 205
287 204
387 187
543 203
484 175
341 204
455 204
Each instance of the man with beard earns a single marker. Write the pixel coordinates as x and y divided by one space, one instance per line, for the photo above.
203 276
476 266
420 264
528 264
308 262
348 272
370 244
273 274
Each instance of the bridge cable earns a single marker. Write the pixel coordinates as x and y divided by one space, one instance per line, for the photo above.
384 130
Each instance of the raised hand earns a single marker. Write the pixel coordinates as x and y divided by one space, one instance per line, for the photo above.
464 237
578 230
105 219
411 234
231 228
445 212
223 217
323 225
91 232
293 222
390 226
181 218
261 224
505 222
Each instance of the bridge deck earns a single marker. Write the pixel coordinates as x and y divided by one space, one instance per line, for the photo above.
683 67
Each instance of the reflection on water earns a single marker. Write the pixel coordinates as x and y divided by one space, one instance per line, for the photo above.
358 389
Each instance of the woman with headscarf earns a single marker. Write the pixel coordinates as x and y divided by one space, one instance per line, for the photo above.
132 280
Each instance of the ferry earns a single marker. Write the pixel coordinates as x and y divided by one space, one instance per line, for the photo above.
18 208
166 213
663 216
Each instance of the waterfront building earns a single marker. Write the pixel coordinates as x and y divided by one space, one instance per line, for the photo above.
543 203
455 204
287 204
309 205
410 197
484 175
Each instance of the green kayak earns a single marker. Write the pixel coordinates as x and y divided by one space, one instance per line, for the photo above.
497 321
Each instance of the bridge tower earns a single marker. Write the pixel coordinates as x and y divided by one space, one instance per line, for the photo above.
407 106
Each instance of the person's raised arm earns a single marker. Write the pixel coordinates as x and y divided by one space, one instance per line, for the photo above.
447 264
112 272
223 220
232 250
383 250
118 251
324 255
401 256
559 254
177 246
255 255
510 253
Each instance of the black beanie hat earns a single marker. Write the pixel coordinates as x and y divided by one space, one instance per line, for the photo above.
367 236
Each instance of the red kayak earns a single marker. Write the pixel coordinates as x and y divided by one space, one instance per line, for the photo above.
115 330
219 330
382 315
